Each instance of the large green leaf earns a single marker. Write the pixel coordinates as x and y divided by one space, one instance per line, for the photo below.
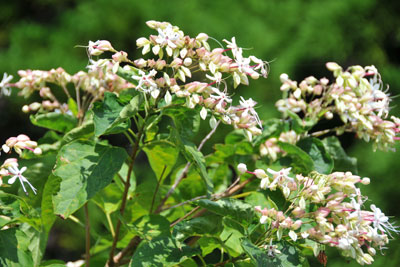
110 116
301 161
288 257
60 122
161 251
323 162
342 162
84 169
161 154
233 208
14 249
85 130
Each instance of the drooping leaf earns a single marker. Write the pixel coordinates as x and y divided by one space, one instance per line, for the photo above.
161 154
233 208
84 169
208 244
342 162
47 210
161 251
323 162
301 161
14 248
59 122
110 116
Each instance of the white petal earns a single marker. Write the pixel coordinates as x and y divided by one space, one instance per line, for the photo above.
12 179
203 113
293 235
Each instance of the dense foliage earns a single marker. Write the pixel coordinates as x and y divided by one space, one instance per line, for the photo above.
196 208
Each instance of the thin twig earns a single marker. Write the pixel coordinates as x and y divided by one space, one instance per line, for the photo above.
87 232
185 170
125 196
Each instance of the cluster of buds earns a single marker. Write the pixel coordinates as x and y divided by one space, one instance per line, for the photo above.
100 77
356 96
335 218
270 147
20 143
168 75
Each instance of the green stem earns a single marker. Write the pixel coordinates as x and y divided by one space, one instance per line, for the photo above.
133 155
157 187
110 224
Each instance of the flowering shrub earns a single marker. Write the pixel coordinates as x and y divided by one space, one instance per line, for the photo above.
196 209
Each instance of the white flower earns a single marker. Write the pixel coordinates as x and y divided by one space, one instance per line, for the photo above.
381 222
280 175
272 249
166 36
145 80
4 84
18 174
233 46
248 107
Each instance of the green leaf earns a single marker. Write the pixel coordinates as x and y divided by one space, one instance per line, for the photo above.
128 73
208 244
288 257
55 121
151 226
84 168
109 198
161 251
85 131
323 162
233 208
191 154
73 107
14 248
299 125
186 120
47 210
301 161
110 116
161 154
342 162
210 225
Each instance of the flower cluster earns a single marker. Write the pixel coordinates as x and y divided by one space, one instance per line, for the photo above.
356 96
327 209
186 55
168 76
10 165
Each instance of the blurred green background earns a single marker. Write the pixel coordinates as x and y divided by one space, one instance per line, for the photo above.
297 36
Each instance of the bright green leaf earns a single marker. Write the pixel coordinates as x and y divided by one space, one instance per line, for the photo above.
323 162
161 154
84 168
60 122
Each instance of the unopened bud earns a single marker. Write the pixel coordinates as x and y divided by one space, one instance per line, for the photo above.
242 168
260 173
